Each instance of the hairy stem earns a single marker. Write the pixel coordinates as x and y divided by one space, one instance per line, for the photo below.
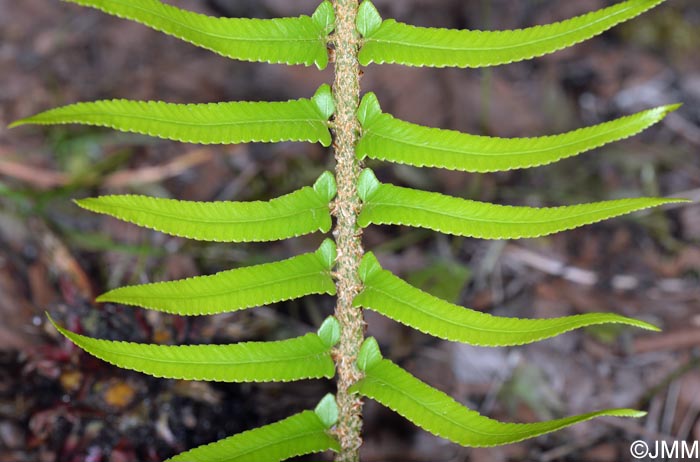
346 89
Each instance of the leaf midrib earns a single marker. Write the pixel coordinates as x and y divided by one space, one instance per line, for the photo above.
411 206
252 286
48 119
189 362
210 221
486 156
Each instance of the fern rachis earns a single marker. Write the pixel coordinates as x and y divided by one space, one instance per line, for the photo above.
358 129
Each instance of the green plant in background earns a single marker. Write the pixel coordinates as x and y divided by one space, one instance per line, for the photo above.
355 199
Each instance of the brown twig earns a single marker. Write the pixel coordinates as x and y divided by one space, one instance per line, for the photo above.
44 179
673 340
584 277
158 173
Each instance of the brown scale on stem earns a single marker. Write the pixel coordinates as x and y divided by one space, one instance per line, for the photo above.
346 89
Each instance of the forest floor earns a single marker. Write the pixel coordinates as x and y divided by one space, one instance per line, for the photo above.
60 405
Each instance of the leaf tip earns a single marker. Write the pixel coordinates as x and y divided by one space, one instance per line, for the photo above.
327 410
63 331
647 326
631 413
105 297
329 332
659 113
671 107
87 203
633 322
18 123
673 200
369 354
51 320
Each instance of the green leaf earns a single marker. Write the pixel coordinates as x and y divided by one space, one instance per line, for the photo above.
368 110
301 212
325 187
329 332
324 102
368 19
327 411
306 357
394 205
212 123
387 138
234 289
300 40
395 42
436 412
367 184
327 253
369 354
301 434
324 16
394 298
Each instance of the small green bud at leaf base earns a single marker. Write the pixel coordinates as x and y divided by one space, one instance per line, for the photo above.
367 184
324 16
327 410
369 354
329 332
368 266
325 186
368 19
327 253
323 99
369 109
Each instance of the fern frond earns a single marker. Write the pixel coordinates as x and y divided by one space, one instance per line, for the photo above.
387 138
236 289
212 123
306 357
389 41
301 434
393 205
394 298
300 40
301 212
438 413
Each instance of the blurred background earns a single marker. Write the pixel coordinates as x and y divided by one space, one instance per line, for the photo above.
58 404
